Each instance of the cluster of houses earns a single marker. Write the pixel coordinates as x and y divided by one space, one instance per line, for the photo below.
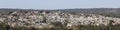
43 19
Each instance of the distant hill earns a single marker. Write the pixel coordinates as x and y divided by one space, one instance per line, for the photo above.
114 12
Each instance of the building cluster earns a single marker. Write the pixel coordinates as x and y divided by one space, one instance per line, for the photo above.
43 19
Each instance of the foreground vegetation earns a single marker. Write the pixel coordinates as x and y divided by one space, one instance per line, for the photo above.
3 26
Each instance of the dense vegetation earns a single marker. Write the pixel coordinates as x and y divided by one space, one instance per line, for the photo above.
3 26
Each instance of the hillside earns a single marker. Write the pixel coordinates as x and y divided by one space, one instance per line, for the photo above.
95 18
114 12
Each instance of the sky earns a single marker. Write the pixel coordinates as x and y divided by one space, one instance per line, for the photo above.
59 4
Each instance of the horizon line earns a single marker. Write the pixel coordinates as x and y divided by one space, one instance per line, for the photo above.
49 9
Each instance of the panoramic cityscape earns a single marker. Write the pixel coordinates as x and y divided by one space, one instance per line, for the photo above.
59 15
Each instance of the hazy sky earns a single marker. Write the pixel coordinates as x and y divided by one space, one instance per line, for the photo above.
57 4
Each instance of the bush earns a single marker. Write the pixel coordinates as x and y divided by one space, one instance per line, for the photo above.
58 26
